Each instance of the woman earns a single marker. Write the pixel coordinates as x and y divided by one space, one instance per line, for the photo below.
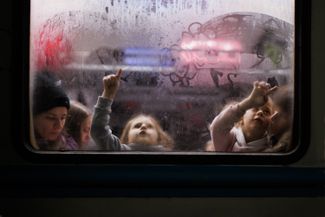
50 110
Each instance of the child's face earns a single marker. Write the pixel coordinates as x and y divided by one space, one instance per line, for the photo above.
258 118
49 124
85 131
143 131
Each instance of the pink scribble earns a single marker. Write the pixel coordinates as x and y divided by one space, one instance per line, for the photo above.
217 44
216 53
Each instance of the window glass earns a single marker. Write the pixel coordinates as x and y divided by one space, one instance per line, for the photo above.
207 76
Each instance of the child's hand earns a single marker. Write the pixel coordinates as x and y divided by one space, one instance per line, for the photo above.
259 94
111 84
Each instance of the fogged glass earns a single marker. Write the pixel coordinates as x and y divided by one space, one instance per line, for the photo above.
183 61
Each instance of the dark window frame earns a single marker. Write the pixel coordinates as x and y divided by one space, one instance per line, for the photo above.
301 125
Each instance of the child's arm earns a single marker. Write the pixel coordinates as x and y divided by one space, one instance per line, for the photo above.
221 126
100 129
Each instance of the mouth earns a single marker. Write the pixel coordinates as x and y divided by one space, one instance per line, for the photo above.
55 133
142 133
258 119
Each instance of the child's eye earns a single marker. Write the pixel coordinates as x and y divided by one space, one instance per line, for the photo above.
86 130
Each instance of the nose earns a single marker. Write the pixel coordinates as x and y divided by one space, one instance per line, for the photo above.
260 112
59 124
143 127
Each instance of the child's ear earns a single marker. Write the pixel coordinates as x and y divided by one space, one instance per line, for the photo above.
274 116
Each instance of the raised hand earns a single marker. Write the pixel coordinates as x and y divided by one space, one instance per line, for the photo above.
111 84
259 94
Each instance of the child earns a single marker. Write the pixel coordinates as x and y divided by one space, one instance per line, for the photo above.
280 127
141 133
253 117
78 124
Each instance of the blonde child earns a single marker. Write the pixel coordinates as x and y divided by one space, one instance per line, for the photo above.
141 133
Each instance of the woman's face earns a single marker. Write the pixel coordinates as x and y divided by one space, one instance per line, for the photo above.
143 131
49 124
85 131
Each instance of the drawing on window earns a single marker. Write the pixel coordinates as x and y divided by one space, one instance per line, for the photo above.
168 76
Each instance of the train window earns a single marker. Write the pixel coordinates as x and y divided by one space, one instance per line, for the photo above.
163 78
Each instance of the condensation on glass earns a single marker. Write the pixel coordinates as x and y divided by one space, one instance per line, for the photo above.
182 60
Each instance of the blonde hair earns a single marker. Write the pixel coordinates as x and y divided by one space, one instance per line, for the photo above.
163 138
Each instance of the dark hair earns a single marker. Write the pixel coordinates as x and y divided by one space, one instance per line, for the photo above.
48 93
77 114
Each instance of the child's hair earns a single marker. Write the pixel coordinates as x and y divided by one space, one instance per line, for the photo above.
163 138
283 101
77 114
283 98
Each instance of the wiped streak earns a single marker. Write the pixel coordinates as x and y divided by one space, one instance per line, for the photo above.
96 67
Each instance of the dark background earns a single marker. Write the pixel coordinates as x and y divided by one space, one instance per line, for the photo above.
27 199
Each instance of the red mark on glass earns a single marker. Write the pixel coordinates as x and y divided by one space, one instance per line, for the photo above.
52 51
